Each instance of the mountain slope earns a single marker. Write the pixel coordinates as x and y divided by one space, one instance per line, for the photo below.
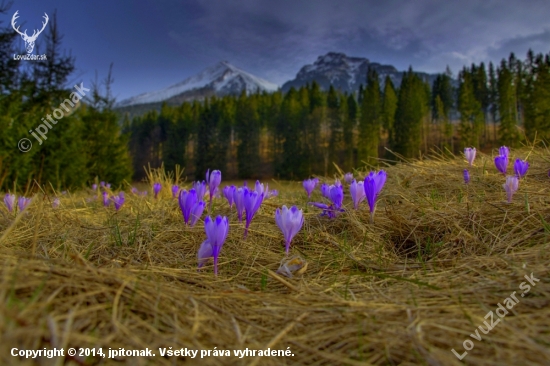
220 79
345 73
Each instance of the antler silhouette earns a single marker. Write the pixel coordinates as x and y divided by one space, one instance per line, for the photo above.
13 24
24 34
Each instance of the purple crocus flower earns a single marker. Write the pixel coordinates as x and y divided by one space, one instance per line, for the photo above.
309 186
190 205
228 192
466 176
357 192
373 184
470 154
238 198
156 188
134 190
175 190
56 202
94 187
252 201
216 233
260 188
102 184
504 151
336 194
213 180
511 186
290 222
106 200
501 163
325 190
119 201
348 177
521 167
23 202
200 187
9 200
272 193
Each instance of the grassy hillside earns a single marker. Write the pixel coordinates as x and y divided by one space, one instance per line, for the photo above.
402 291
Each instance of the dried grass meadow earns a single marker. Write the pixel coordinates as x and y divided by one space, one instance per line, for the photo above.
404 291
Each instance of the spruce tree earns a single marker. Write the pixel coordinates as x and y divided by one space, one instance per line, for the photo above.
412 106
389 105
370 122
471 114
508 133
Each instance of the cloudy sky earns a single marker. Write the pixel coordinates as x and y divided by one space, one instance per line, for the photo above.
154 44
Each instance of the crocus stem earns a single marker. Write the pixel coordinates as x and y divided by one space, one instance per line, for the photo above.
372 217
216 266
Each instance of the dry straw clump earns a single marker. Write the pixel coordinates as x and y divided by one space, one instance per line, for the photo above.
404 291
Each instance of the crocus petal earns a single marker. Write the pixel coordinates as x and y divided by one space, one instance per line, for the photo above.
325 190
348 177
290 222
229 192
320 205
357 192
501 163
238 198
511 186
466 176
370 192
337 195
521 167
309 185
156 189
9 200
205 252
470 154
196 212
504 151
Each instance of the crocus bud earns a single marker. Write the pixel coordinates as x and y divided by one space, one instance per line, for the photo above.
228 192
504 151
357 192
520 168
501 163
466 176
470 154
156 189
175 190
309 186
348 177
9 200
511 186
216 233
290 221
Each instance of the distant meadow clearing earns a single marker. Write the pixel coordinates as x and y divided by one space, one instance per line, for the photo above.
439 268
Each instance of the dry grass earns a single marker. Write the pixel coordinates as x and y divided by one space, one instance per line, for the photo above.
403 291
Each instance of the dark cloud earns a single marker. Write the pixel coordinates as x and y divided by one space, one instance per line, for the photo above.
155 44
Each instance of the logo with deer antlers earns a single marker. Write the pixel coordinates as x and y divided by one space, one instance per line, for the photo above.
29 41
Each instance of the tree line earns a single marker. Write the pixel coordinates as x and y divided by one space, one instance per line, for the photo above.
310 131
303 132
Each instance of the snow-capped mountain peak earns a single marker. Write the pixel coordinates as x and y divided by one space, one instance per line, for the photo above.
344 73
219 79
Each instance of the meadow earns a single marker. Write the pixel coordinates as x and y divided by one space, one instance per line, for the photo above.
407 289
